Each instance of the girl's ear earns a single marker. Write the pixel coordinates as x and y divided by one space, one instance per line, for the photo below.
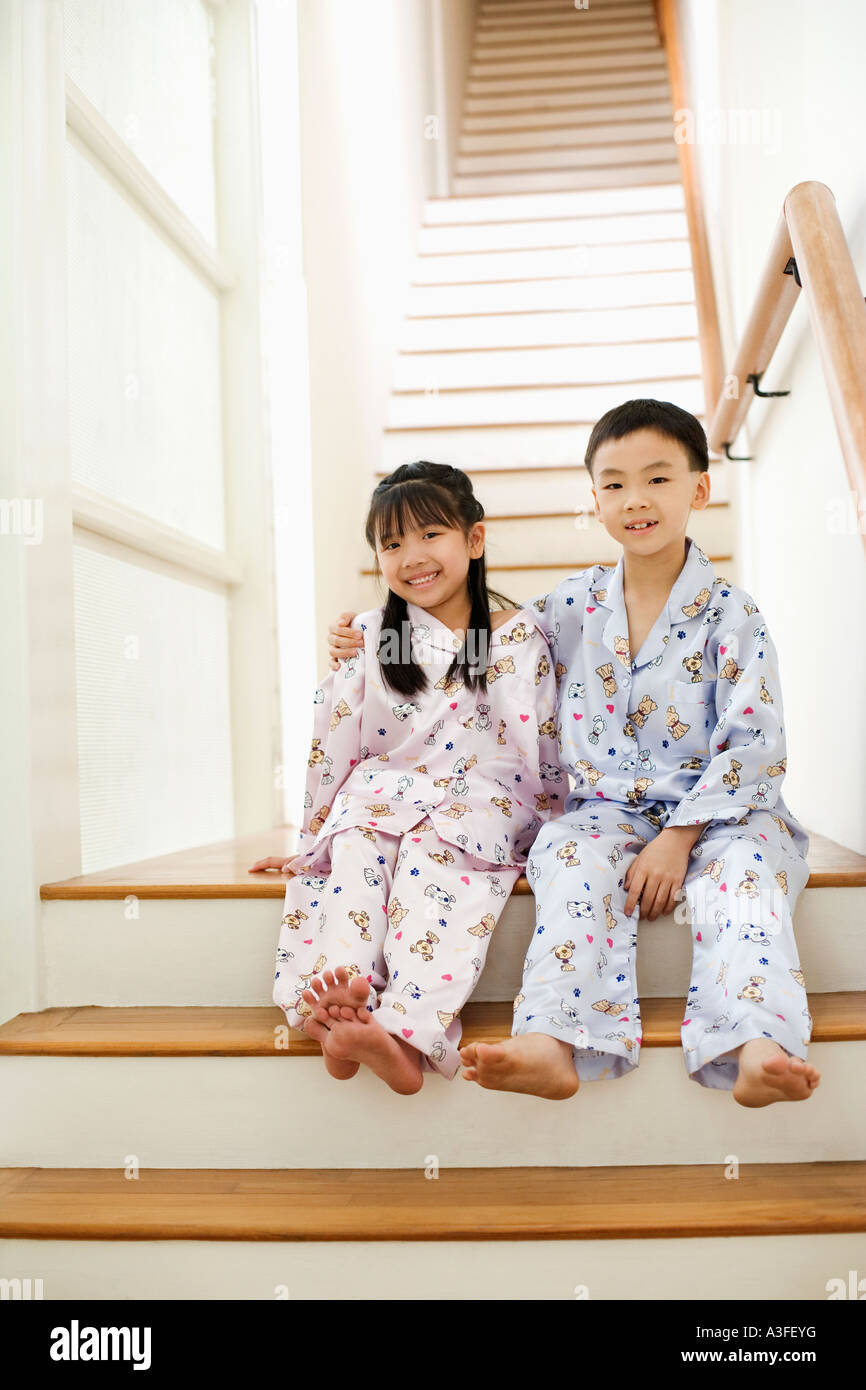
476 540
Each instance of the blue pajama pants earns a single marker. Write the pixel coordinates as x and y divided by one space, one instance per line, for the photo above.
579 981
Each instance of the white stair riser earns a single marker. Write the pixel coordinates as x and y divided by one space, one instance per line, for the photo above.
594 95
286 1112
504 492
516 366
602 232
578 536
221 952
546 264
566 203
533 9
576 138
611 155
574 54
560 404
594 70
759 1267
583 326
569 121
547 35
583 292
538 181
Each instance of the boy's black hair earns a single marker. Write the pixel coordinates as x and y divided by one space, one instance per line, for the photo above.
431 494
662 416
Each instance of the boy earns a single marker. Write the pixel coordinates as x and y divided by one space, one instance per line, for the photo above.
670 721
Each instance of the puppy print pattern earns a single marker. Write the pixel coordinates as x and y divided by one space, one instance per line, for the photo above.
579 974
693 720
411 916
482 765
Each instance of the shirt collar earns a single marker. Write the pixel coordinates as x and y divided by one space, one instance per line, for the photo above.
689 595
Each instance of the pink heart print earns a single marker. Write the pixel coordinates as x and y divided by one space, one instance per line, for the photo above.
309 943
352 762
398 936
446 977
723 887
376 791
609 709
590 610
723 650
464 879
407 1032
699 937
578 716
416 839
748 710
523 718
595 837
610 942
589 939
453 704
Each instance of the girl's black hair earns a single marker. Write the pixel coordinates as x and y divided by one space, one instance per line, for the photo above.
430 494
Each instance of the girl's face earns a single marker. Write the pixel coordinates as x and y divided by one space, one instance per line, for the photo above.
428 564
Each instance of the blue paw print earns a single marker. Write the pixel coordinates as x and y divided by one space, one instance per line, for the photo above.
759 857
665 743
517 777
339 888
539 930
763 961
413 873
382 732
448 747
619 979
611 752
681 635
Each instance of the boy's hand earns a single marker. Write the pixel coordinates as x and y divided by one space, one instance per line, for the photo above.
344 640
656 875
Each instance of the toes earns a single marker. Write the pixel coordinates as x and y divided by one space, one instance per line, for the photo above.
350 1015
318 984
342 975
316 1031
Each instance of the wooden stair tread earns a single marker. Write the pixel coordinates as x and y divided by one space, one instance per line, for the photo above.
664 1201
172 1031
219 870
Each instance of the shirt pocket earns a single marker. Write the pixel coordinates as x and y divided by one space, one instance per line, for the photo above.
692 693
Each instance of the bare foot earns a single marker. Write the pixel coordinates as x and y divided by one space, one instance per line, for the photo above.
342 1071
362 1039
337 995
533 1063
767 1074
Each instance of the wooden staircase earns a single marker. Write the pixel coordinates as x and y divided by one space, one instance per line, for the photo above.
156 1095
554 283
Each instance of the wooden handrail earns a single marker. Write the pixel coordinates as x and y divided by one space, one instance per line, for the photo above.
809 240
705 295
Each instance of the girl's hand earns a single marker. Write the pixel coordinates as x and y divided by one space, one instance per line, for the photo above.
656 874
344 640
275 862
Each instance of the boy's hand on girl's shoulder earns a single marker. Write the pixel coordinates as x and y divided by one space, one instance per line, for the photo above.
343 640
655 876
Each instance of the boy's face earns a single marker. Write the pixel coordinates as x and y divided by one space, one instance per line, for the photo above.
645 477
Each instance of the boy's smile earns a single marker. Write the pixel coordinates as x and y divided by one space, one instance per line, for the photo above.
644 491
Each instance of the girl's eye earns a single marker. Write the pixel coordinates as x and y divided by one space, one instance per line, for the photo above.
659 480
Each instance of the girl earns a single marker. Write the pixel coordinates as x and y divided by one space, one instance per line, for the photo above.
433 763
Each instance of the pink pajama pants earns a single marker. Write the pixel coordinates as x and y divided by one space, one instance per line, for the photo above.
411 914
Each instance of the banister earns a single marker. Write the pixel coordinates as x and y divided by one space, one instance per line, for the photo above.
809 239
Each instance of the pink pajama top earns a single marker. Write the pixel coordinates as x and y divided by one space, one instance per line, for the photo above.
483 767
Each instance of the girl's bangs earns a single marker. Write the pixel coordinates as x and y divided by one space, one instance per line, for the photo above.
413 504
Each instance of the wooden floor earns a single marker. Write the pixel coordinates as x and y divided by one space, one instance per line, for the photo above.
461 1204
159 1031
221 870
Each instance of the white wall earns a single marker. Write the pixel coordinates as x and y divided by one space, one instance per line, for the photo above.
799 67
366 168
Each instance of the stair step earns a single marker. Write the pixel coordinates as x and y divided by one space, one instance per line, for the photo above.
601 202
662 1202
572 117
612 155
550 180
551 328
577 534
528 487
155 1031
554 404
593 71
559 263
634 290
205 930
551 41
596 93
604 233
533 10
578 56
599 134
523 366
505 38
